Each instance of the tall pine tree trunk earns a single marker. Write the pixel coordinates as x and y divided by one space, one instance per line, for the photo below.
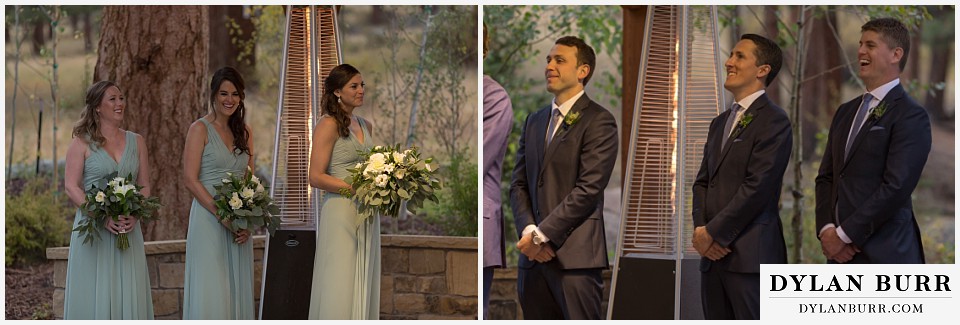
229 28
821 85
158 55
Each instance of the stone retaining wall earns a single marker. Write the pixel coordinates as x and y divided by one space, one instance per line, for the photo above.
424 277
504 304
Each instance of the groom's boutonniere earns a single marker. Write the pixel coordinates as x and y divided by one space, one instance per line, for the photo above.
571 119
877 112
745 120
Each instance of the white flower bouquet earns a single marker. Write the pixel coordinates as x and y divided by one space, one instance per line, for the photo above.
112 197
388 176
246 203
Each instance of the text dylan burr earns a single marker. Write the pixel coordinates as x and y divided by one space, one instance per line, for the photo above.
855 282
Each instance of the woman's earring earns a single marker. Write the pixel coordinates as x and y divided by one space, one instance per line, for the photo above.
338 100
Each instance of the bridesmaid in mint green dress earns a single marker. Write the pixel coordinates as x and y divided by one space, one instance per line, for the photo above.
346 268
104 282
218 275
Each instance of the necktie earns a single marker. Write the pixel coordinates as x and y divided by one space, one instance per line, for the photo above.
857 123
554 119
731 120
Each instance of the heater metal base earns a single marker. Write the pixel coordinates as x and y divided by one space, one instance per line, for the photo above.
647 288
289 275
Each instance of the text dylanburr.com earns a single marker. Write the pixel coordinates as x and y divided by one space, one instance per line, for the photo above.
835 292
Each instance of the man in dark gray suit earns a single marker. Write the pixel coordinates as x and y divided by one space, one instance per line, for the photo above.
876 150
566 155
737 190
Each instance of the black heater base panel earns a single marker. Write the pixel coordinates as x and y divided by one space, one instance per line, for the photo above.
289 275
645 289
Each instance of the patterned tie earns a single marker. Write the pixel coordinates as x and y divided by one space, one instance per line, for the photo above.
731 120
554 119
857 123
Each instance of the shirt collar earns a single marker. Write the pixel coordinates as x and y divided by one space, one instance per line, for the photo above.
882 91
567 105
747 101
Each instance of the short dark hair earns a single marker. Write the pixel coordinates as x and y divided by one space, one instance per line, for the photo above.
893 32
585 54
767 52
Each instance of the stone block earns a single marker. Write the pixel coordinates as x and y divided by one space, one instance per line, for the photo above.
462 273
452 305
60 273
58 295
409 303
166 302
257 279
394 260
171 275
503 310
444 317
386 294
433 304
504 289
429 261
432 285
152 272
405 284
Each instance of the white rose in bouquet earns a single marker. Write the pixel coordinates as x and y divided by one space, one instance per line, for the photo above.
235 202
381 180
247 193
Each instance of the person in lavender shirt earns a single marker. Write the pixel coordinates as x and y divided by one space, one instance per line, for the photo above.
497 123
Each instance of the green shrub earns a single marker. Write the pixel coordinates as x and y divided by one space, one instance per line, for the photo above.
34 222
457 210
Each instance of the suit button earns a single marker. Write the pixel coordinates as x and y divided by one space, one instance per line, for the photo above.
540 183
842 175
713 184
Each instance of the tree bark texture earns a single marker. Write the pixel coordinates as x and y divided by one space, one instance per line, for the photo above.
772 31
224 50
821 90
941 50
158 55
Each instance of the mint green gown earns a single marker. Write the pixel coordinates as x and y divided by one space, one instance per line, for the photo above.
218 275
104 282
346 268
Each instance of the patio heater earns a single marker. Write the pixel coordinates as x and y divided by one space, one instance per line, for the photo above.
311 50
656 275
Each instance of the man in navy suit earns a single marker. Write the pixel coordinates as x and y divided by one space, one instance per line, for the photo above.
566 155
737 190
876 150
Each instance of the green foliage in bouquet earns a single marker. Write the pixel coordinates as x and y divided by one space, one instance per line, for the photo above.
387 176
246 203
112 197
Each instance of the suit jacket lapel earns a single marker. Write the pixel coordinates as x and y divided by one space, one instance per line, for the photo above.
754 109
715 141
539 130
891 101
562 130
